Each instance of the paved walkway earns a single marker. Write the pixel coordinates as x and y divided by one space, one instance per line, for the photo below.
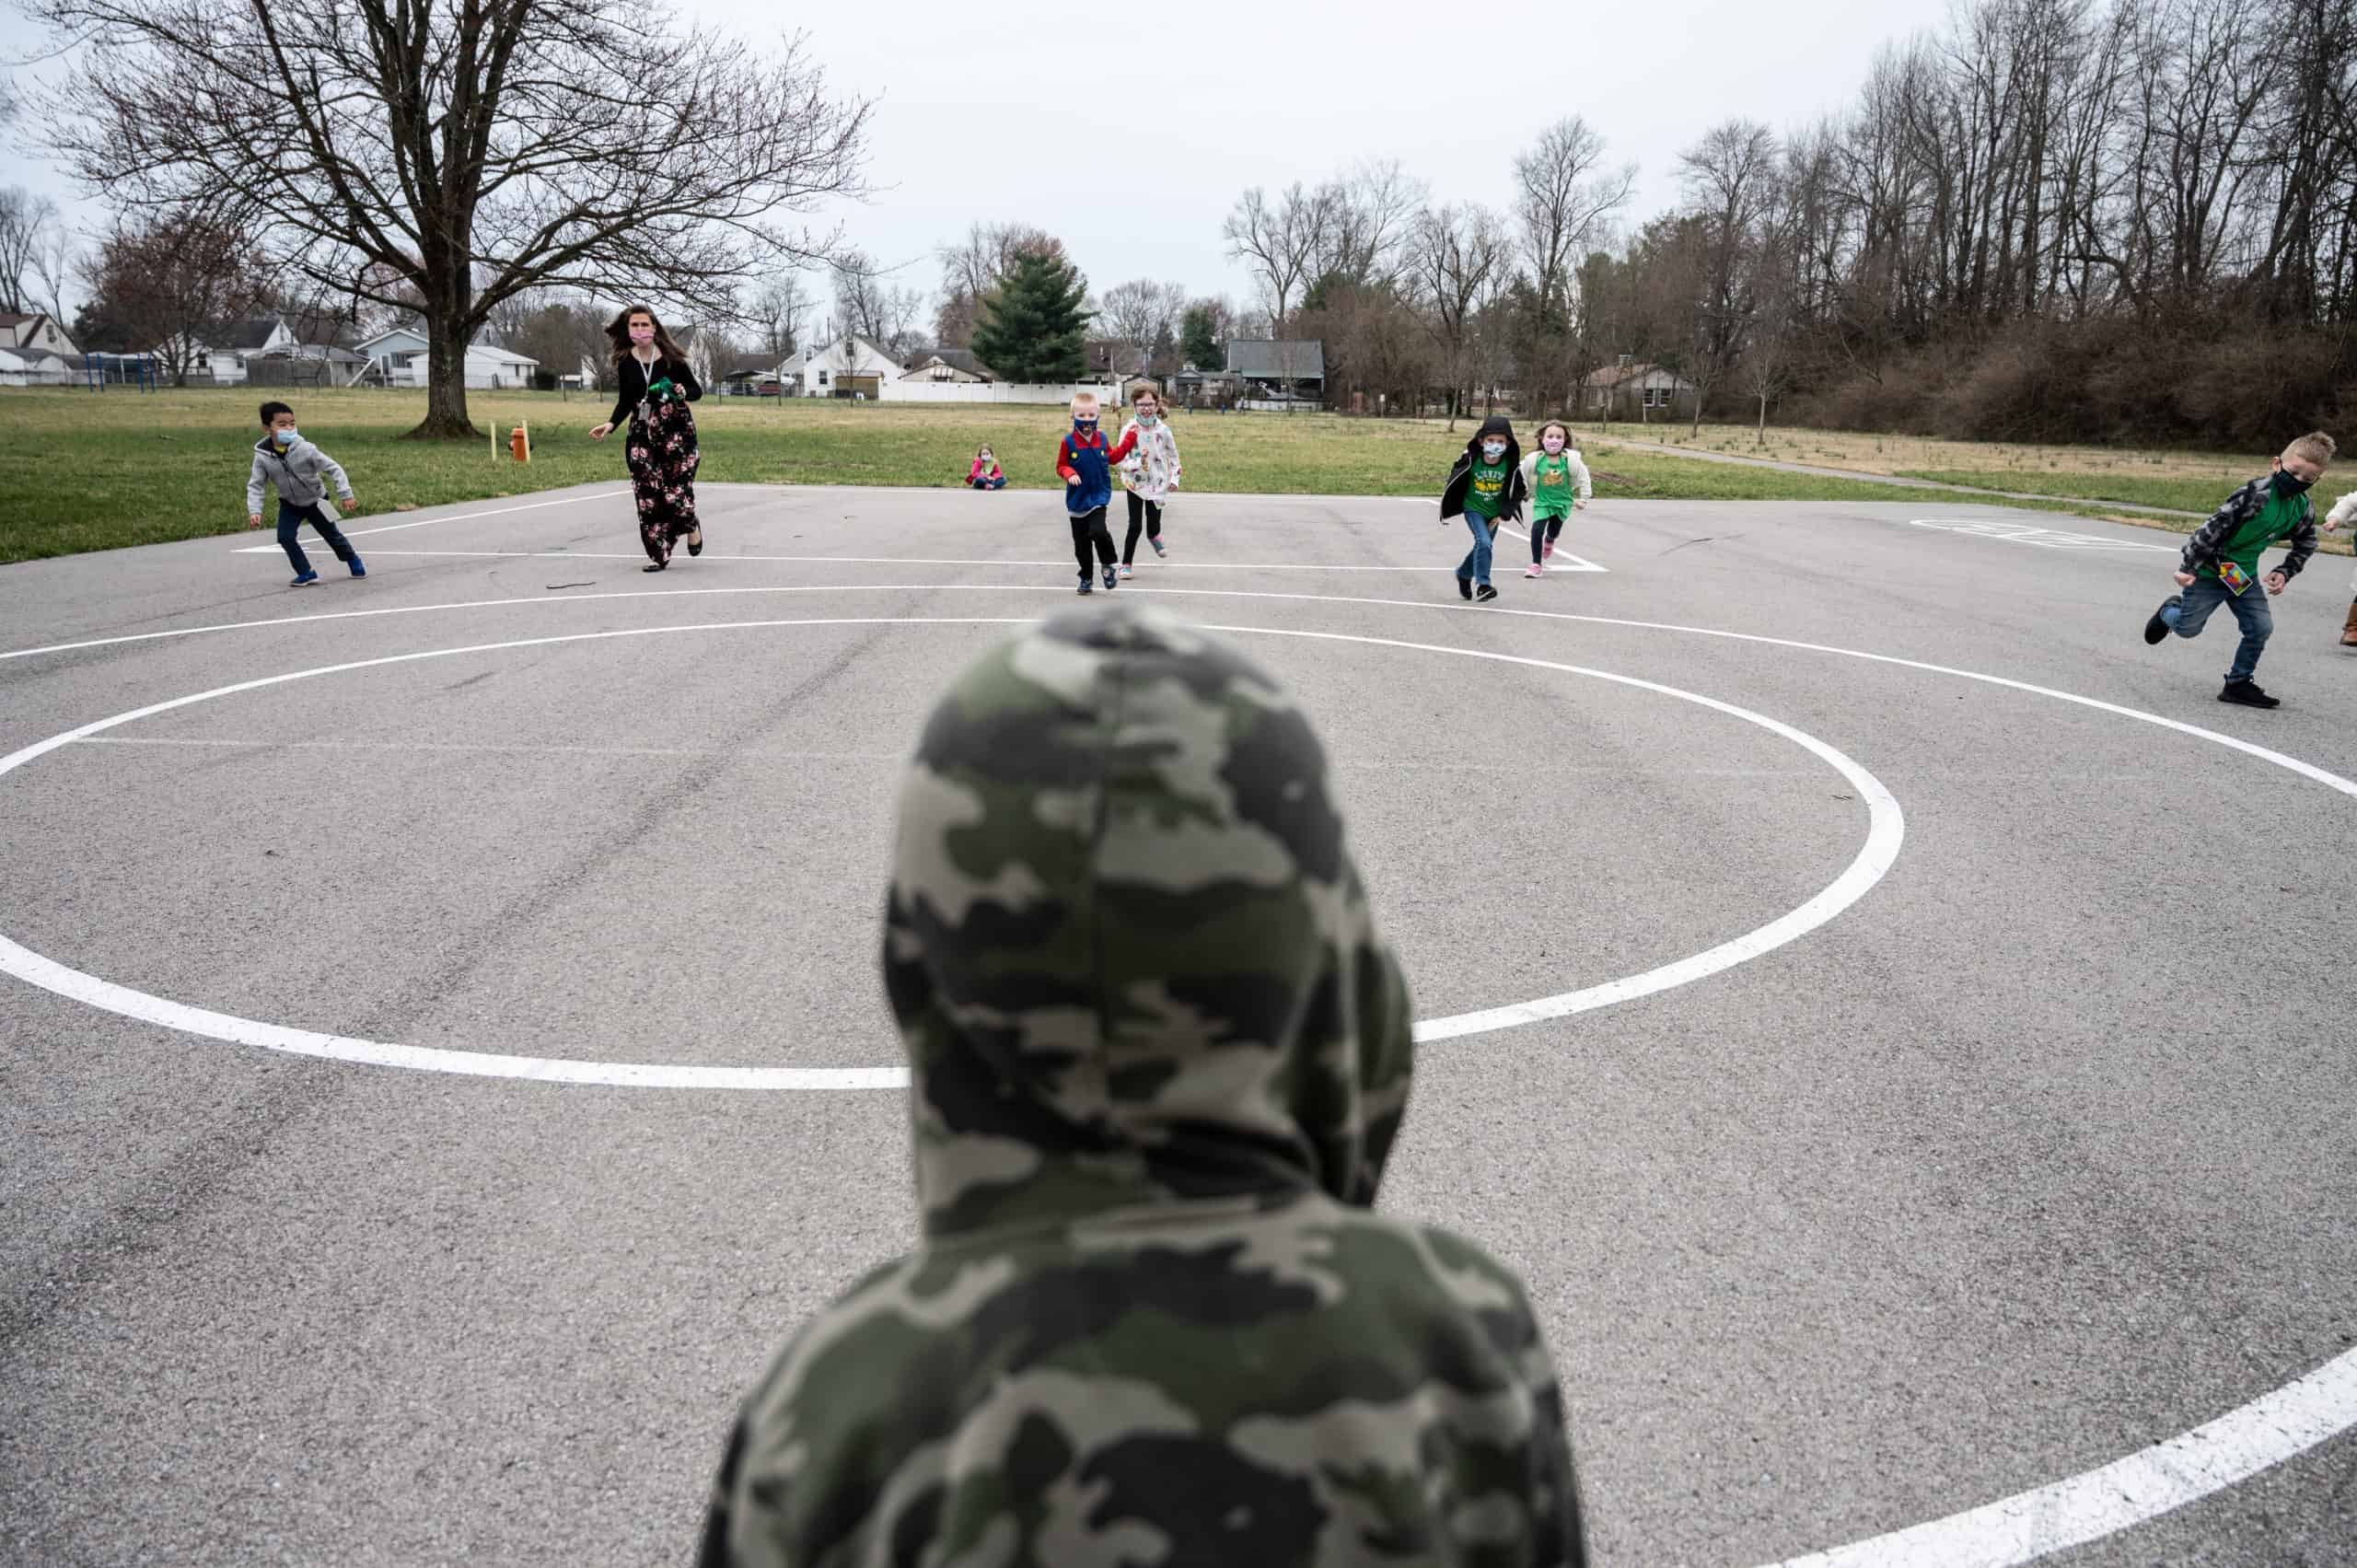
1893 479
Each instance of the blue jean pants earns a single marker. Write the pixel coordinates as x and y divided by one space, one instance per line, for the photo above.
1476 563
290 519
2199 601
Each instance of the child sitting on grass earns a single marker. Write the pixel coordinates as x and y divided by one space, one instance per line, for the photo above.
301 471
985 474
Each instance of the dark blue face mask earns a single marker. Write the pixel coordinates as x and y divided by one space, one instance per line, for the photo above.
2289 483
1084 425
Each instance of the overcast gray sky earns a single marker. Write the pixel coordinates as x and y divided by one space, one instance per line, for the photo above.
1130 135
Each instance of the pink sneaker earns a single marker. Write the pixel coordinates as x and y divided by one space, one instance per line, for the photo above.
1535 570
1549 551
1127 572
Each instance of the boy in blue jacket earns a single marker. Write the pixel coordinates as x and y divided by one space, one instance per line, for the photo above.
1087 463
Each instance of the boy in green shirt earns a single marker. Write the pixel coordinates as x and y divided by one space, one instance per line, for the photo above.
1558 482
1485 488
2220 562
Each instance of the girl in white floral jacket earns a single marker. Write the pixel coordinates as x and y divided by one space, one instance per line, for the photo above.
1150 473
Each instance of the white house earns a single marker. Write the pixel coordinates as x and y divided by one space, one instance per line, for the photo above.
25 368
35 334
849 364
396 358
220 355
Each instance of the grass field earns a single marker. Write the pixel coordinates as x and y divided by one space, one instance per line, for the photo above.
2190 482
97 471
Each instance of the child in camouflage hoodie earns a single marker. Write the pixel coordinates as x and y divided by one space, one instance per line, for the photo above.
1158 1057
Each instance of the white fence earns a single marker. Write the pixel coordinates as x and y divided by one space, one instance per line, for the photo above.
988 393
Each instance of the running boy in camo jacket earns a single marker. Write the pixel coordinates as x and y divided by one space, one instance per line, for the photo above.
2220 562
1158 1056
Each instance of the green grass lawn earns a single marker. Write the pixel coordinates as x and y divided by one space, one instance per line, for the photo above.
96 471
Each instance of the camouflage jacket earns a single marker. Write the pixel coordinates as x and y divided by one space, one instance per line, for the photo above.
1158 1057
2207 545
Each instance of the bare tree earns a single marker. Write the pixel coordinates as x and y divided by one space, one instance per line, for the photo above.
1371 215
173 283
1139 315
429 143
773 307
1562 194
25 220
1278 241
1457 259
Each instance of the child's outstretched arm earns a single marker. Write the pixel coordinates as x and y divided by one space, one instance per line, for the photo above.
253 493
2343 512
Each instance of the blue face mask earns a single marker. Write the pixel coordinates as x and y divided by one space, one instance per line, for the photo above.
1085 425
1493 450
284 437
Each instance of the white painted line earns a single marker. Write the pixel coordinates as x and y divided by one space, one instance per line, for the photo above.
1560 555
709 557
1885 831
2025 533
453 518
2150 1482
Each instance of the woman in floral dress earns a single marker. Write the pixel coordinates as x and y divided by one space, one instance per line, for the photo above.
654 384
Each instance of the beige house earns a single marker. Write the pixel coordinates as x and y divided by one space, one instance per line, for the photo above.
1633 389
32 336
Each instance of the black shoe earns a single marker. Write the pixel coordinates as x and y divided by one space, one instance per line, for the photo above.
1485 593
1464 587
2248 694
1112 581
696 542
653 567
2157 627
1087 585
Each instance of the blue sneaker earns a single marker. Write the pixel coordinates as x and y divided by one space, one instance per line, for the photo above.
1086 586
357 569
304 577
1111 580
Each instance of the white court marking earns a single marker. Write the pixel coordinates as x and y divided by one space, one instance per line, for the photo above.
2170 1474
2045 539
1885 831
452 518
710 557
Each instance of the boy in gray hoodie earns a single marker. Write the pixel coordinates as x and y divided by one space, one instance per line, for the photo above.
302 473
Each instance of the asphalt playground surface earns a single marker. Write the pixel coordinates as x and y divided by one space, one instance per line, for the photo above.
2035 1150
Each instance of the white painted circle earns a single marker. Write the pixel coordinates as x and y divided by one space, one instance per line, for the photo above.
1885 831
2169 1474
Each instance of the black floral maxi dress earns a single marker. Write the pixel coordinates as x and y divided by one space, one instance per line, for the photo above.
663 457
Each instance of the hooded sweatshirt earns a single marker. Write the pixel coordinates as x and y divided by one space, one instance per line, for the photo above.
1455 497
301 471
1158 1057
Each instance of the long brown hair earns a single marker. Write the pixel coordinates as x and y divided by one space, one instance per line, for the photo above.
619 331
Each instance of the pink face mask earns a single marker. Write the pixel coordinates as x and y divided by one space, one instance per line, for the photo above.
641 334
1552 442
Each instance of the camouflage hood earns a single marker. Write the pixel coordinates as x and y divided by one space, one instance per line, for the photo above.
1127 946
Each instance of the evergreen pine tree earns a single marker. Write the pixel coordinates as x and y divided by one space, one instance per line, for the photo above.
1196 341
1034 327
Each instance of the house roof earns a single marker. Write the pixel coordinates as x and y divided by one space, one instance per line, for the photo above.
11 318
1613 374
504 356
964 359
250 333
751 365
1270 359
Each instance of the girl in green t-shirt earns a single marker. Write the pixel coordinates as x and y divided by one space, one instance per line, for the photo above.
1558 483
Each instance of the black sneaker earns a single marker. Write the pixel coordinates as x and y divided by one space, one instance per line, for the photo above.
1086 586
1485 593
2248 694
1464 587
2158 627
1111 579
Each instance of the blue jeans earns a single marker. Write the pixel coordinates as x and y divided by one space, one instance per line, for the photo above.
290 523
2250 610
1476 563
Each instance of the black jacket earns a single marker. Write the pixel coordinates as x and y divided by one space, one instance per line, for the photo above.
1460 478
633 378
